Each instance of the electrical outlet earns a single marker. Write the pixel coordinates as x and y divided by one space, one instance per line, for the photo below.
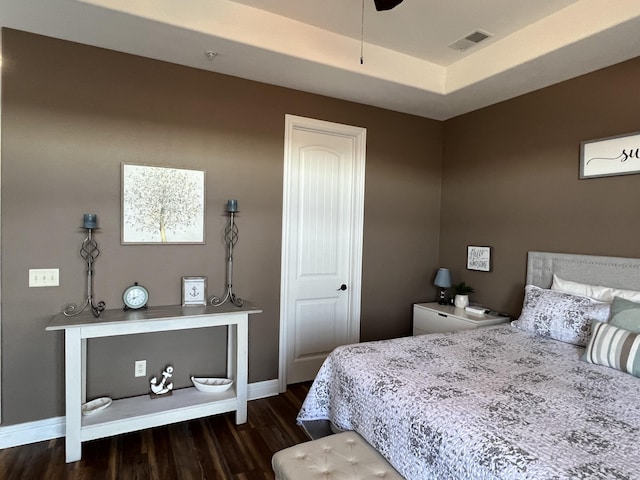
44 277
140 368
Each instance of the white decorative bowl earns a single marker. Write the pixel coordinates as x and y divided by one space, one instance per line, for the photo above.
212 385
95 406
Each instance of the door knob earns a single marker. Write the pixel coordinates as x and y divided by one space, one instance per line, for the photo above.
343 287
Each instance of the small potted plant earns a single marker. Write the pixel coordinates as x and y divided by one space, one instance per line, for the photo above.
461 292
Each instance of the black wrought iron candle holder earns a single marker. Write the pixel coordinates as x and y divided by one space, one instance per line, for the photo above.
231 238
89 251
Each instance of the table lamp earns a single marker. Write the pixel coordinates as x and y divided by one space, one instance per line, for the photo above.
443 280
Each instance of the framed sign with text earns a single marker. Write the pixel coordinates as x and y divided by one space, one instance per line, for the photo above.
605 157
479 258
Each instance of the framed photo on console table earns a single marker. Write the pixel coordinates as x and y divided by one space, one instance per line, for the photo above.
194 291
479 258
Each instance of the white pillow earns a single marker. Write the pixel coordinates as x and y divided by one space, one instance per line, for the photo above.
597 292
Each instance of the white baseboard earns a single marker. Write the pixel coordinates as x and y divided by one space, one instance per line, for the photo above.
50 428
257 390
31 432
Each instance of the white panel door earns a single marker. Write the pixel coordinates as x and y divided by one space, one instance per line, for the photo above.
322 240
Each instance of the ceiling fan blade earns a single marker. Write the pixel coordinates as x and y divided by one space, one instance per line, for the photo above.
386 4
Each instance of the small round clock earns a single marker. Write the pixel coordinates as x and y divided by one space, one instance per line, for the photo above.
135 297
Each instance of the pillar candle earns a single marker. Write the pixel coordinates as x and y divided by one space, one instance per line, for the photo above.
90 220
232 206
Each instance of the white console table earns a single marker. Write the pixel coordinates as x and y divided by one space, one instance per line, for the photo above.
137 413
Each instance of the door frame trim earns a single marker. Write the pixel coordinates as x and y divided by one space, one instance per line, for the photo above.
1 34
359 134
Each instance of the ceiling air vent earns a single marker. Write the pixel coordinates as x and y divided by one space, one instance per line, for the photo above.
470 40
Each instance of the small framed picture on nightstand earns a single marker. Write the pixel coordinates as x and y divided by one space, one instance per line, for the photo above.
194 291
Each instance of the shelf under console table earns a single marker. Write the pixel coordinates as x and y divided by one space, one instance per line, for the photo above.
137 413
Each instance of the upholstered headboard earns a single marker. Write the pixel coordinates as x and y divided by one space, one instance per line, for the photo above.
615 272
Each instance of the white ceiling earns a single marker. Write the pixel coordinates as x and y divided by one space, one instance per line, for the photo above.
315 45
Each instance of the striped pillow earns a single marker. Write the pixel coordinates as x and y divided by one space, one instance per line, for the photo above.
613 347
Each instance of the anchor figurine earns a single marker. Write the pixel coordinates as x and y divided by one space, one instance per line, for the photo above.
163 388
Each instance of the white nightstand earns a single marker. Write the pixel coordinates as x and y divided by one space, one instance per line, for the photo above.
435 318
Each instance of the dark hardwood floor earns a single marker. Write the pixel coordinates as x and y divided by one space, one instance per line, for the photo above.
209 448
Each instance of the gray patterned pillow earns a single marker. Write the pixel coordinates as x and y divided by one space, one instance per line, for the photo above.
561 316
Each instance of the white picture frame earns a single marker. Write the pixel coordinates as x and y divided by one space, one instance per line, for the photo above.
479 258
162 205
194 291
604 157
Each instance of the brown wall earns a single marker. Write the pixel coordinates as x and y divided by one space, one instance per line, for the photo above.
71 114
510 181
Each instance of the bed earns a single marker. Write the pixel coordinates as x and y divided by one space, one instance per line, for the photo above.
505 402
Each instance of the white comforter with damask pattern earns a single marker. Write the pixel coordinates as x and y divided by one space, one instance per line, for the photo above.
483 404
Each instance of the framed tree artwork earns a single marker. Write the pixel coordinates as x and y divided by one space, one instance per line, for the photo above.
162 205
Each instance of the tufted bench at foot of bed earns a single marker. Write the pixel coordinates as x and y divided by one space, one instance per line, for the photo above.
339 456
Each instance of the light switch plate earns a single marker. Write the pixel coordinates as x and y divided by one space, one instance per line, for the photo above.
44 277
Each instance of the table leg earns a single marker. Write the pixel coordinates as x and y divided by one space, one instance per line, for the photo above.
83 380
242 353
73 392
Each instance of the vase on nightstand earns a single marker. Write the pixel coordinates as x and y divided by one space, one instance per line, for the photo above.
461 301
